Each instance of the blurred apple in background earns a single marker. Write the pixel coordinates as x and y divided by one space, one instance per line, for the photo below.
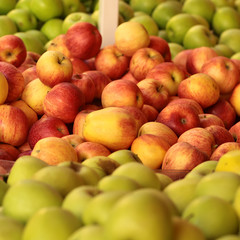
52 28
181 58
223 50
38 34
8 26
146 7
175 48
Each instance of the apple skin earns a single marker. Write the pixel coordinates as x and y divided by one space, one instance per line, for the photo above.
223 71
14 125
201 87
234 99
12 50
4 155
83 40
30 74
235 131
4 88
67 100
183 156
15 81
79 66
53 67
224 148
181 58
8 26
112 62
30 60
154 93
115 120
208 119
120 93
10 149
150 112
128 76
73 139
46 127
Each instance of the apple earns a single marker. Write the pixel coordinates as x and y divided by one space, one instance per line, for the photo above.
235 131
54 150
7 6
223 3
197 57
198 36
83 40
30 60
128 76
151 149
3 88
54 67
64 101
131 36
146 7
4 155
150 112
224 110
202 213
30 74
169 75
15 81
46 127
233 100
38 34
223 149
125 10
161 45
209 119
70 6
24 19
236 201
223 50
87 150
120 93
56 222
52 28
34 94
31 115
12 151
73 139
79 66
224 71
181 58
12 50
200 138
230 37
112 62
8 26
183 156
185 117
164 11
225 18
46 9
153 205
201 87
75 17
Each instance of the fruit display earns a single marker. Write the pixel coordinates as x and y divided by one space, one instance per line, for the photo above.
139 139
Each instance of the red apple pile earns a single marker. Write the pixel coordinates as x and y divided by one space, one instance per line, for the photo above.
174 114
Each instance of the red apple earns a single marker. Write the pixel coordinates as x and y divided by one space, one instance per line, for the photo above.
128 76
12 50
154 93
143 60
181 58
91 63
150 112
112 62
13 124
29 74
83 40
224 110
73 139
235 131
224 71
4 155
79 66
54 67
15 81
30 60
12 151
46 127
161 45
119 93
208 119
24 147
64 101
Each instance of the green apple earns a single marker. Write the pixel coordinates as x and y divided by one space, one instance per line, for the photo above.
201 20
164 179
148 22
24 168
99 207
124 155
26 197
145 6
231 38
202 169
225 18
223 50
10 229
25 4
184 230
198 36
175 48
52 28
164 11
51 223
23 19
237 5
46 9
70 6
3 189
220 184
163 34
6 6
213 215
125 10
75 17
140 215
7 25
88 232
178 25
229 237
38 34
102 165
223 3
143 175
181 192
204 8
32 43
63 179
77 200
235 56
139 13
114 182
236 202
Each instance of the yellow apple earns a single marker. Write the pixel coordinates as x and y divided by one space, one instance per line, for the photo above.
3 88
